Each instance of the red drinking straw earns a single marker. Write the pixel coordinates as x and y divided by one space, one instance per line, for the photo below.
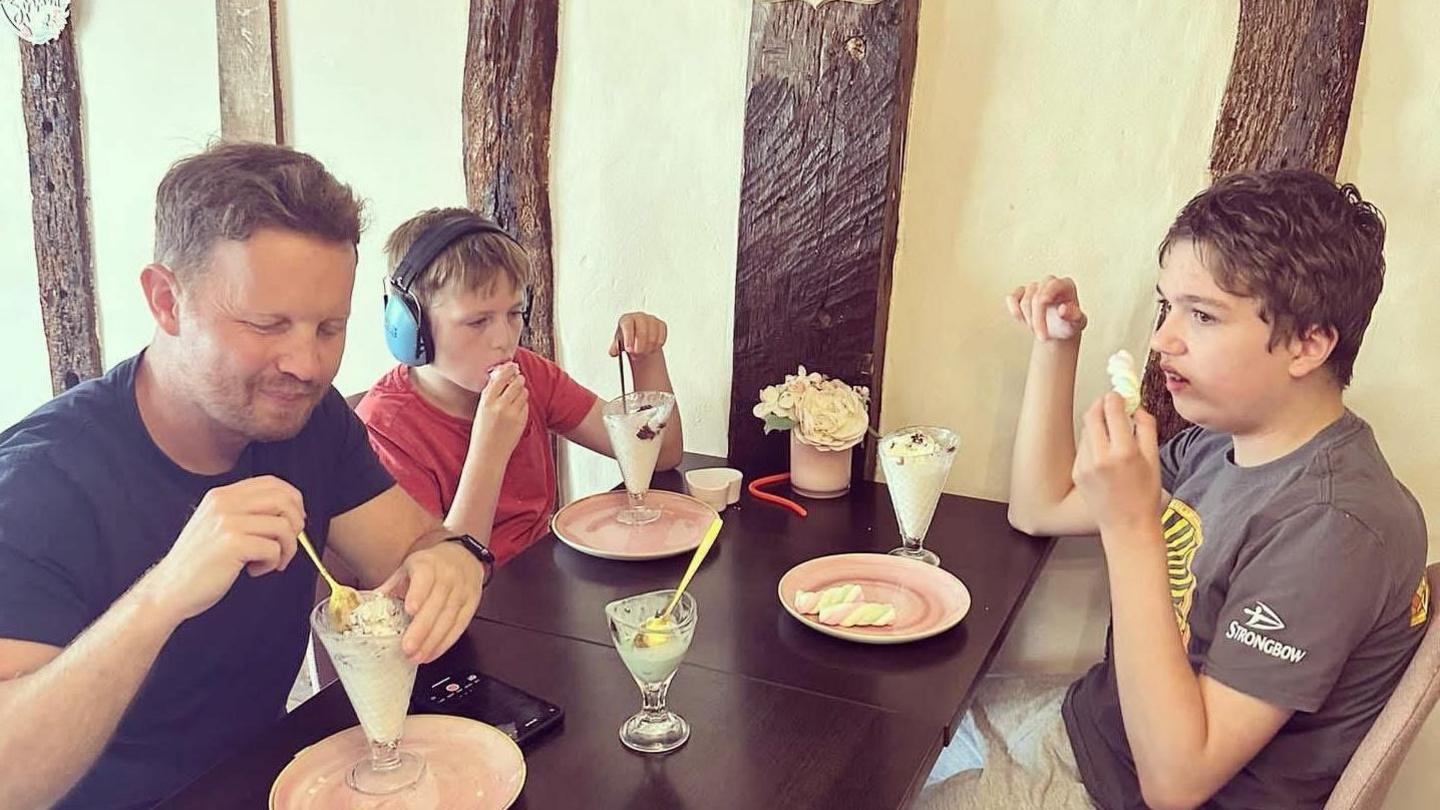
780 478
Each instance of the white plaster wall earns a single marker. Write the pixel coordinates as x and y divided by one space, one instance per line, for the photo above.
1390 153
373 91
645 172
27 366
148 78
1045 137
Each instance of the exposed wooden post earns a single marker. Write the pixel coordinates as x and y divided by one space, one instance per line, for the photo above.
50 95
505 120
825 114
250 101
1286 105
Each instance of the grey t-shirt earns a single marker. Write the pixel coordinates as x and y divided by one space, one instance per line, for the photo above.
1299 582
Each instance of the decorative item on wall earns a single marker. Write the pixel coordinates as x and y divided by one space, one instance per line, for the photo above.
826 419
36 21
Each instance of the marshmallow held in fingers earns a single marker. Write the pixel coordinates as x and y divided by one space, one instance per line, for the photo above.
859 614
1057 326
1124 379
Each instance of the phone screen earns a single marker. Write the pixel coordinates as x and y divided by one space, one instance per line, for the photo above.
473 694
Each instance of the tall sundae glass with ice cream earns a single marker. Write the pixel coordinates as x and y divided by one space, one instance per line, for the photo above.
636 424
378 679
917 461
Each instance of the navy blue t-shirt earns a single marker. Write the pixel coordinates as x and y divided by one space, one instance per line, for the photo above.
88 503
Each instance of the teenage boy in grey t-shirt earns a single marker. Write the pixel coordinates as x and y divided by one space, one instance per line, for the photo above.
1260 624
1301 575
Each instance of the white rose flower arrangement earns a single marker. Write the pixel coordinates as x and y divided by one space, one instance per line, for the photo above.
823 412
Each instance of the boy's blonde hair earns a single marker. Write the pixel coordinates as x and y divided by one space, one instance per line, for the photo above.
473 262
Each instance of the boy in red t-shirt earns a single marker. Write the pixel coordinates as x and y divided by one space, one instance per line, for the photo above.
467 433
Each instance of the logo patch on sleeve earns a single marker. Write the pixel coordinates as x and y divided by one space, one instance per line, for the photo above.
1261 617
1264 619
1420 603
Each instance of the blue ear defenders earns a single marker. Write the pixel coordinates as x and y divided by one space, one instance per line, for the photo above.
406 332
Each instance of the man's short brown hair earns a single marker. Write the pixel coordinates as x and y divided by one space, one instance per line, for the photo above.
1311 252
473 262
231 190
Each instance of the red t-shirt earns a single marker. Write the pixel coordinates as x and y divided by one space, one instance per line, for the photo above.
425 448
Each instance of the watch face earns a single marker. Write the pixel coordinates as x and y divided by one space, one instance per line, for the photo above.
474 545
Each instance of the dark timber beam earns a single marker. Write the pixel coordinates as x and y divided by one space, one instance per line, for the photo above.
50 96
505 120
827 102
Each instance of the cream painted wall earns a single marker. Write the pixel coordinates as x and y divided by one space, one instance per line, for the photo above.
1044 138
27 366
373 91
1390 154
165 105
646 191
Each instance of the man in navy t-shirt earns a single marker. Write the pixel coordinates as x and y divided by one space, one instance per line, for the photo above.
133 654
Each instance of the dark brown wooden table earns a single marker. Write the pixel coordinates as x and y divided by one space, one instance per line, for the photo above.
752 743
782 716
742 627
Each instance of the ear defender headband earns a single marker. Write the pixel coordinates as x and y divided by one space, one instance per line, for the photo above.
407 334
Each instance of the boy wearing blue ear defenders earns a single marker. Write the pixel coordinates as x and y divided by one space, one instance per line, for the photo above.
464 421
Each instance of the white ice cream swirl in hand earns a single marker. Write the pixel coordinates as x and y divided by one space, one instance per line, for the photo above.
1124 379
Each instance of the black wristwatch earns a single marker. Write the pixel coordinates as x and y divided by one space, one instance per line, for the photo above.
487 560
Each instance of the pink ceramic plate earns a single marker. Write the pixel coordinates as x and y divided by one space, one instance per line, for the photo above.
928 600
589 526
468 765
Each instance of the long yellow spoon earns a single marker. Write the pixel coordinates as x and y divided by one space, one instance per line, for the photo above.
662 623
343 598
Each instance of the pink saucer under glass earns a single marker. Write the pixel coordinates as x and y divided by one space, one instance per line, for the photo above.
928 600
589 526
468 764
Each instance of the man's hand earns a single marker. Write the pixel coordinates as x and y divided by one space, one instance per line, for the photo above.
1117 468
639 335
1050 308
250 525
502 412
441 587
